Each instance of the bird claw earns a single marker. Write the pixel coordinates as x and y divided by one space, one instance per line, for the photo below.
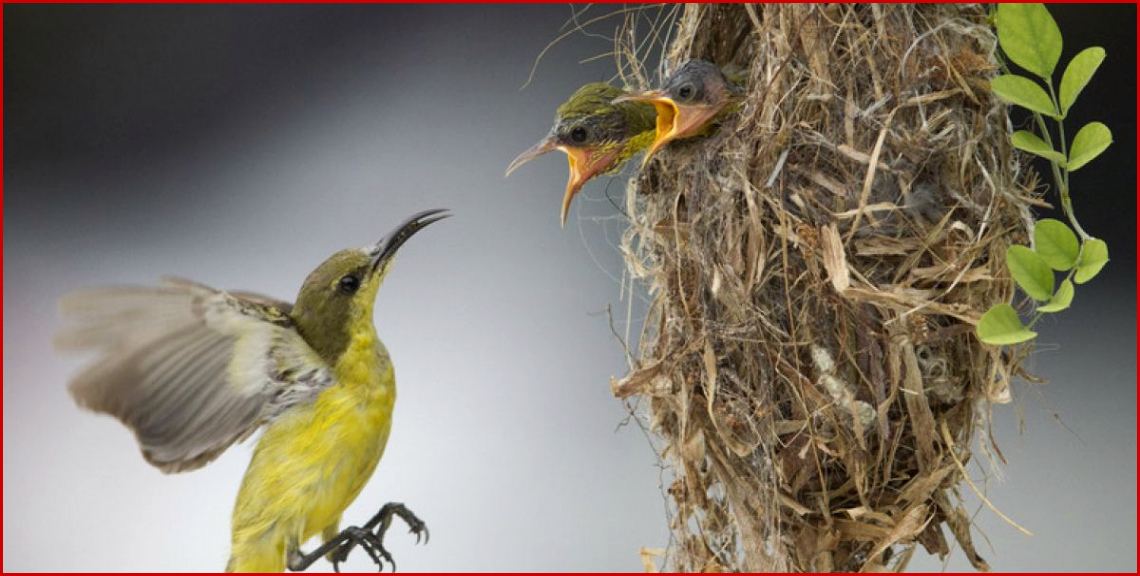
370 537
417 527
383 520
368 541
341 546
420 531
387 557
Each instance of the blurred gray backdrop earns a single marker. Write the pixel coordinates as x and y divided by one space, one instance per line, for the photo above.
239 146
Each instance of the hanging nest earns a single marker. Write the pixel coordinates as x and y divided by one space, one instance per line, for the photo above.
816 271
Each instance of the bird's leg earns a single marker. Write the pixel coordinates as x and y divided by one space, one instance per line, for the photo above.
370 537
342 543
383 520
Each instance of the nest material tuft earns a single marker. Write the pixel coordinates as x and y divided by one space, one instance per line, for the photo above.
816 269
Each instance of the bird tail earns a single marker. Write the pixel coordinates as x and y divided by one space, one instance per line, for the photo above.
263 556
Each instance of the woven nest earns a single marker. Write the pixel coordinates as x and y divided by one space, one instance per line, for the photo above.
816 270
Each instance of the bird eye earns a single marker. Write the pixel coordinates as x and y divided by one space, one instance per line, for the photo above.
349 285
685 92
578 134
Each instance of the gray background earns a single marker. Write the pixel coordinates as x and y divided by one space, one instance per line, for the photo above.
239 146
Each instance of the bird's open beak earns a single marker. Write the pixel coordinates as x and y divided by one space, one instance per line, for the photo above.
585 163
673 120
386 248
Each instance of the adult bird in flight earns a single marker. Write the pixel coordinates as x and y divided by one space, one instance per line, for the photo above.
191 370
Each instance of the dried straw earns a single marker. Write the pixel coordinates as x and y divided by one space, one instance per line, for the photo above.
816 270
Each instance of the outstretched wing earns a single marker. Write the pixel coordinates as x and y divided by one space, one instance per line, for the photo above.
189 369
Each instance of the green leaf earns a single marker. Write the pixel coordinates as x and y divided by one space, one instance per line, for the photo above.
1077 75
1093 138
1030 37
1028 141
1094 255
1023 92
1000 325
1056 244
1030 271
1061 300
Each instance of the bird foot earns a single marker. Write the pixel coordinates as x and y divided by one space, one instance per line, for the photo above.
383 520
337 549
370 537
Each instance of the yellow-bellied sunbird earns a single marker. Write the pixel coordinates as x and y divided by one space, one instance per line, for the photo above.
690 103
192 370
597 135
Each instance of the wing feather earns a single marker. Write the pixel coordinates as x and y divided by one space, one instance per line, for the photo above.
189 369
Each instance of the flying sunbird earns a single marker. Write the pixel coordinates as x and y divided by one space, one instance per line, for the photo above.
598 135
191 370
691 103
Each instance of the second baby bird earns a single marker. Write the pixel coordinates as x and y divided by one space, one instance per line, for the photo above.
692 101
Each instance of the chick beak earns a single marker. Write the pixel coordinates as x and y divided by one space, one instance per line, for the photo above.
386 248
579 159
542 147
673 120
585 163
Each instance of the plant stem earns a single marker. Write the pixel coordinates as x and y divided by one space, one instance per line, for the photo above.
1062 179
1060 174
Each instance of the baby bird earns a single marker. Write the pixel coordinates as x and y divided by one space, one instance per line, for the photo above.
692 102
598 134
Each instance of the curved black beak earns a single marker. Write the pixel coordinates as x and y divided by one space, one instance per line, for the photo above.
387 246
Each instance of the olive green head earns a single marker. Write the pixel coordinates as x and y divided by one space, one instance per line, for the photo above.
597 135
337 298
591 118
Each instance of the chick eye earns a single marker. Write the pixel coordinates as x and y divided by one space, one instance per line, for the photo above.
685 92
579 134
348 285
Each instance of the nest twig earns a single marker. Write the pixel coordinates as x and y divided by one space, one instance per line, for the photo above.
816 270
